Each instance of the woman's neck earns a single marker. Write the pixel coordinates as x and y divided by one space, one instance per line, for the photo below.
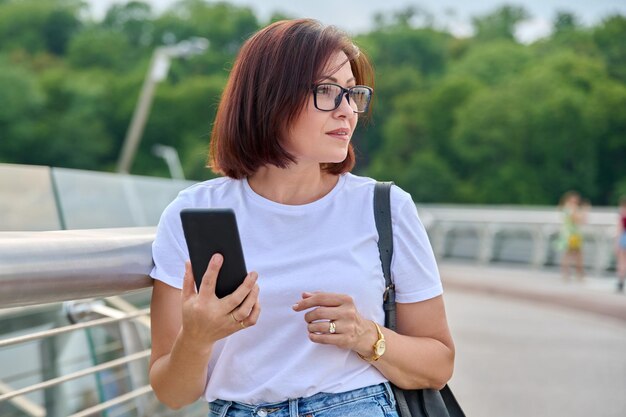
295 185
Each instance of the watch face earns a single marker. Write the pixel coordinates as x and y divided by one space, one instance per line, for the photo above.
379 349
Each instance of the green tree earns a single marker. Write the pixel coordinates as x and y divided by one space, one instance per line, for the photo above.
607 118
225 26
134 20
192 103
538 124
72 133
18 86
609 37
481 119
405 58
499 24
97 47
38 26
565 22
567 34
401 45
493 62
391 82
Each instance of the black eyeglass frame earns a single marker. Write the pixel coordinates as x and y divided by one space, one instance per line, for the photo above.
345 92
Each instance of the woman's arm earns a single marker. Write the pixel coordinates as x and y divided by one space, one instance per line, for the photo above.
185 326
419 355
178 365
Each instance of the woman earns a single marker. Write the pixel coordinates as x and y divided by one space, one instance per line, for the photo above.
303 334
571 238
621 245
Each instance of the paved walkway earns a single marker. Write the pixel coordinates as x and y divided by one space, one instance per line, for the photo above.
593 294
529 344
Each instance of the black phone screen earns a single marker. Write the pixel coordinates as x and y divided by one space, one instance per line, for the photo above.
211 231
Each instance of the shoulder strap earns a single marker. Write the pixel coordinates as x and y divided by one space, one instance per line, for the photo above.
382 216
446 403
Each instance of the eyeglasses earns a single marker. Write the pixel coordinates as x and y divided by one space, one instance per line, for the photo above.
328 96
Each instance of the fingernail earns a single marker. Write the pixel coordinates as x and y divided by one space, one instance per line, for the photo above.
307 294
295 306
217 259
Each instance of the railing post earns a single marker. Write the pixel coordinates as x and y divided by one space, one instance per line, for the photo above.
50 350
485 249
602 258
541 237
440 234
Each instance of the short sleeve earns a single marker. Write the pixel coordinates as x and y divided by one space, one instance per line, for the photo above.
169 250
413 266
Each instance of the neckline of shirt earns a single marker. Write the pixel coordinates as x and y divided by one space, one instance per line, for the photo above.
320 203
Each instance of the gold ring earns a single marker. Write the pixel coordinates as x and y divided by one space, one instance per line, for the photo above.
243 326
233 316
331 327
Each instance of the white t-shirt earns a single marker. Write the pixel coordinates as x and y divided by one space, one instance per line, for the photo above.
329 245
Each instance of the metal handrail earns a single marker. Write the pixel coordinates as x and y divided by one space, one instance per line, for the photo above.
24 404
115 401
74 375
70 328
44 267
511 215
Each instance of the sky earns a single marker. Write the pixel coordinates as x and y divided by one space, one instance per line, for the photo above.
355 16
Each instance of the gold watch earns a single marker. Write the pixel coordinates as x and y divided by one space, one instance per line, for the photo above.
378 347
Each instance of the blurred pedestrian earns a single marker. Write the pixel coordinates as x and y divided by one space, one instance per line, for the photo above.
570 237
620 245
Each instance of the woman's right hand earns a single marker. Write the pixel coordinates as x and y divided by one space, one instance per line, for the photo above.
185 326
207 318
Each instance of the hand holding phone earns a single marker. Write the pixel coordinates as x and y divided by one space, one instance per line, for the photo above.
211 231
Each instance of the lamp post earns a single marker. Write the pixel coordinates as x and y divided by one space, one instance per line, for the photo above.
159 66
170 155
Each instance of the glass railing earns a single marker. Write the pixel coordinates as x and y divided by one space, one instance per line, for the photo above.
89 200
74 317
34 198
27 199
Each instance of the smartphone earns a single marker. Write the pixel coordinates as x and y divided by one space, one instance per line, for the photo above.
211 231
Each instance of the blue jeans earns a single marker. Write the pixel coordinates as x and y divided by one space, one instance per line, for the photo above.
372 401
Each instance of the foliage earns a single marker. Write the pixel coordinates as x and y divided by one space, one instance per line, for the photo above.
99 48
500 24
36 26
610 39
483 119
510 123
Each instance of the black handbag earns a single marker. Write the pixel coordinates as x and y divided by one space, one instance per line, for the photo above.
416 402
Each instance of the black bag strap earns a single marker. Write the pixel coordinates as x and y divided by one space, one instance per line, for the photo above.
382 216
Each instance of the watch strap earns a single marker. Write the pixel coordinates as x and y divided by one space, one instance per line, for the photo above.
375 356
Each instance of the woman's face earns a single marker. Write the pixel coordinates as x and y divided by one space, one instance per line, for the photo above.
323 136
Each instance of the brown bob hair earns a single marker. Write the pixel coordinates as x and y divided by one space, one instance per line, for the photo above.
269 87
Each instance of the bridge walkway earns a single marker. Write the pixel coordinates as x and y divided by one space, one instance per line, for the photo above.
529 344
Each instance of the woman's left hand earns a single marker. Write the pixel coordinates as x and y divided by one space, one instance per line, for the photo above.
335 320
